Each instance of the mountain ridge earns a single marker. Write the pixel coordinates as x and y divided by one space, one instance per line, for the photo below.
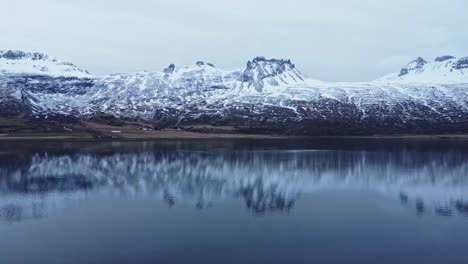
37 63
267 95
444 69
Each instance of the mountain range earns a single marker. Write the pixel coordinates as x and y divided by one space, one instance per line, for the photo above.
265 96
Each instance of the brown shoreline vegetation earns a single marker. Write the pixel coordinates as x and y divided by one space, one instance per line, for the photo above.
27 130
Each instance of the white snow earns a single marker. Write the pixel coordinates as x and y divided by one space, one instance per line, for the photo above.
29 63
432 72
202 88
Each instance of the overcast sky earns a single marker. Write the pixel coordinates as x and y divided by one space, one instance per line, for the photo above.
337 40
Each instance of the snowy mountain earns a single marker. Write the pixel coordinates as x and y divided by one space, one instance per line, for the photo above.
19 62
267 95
444 69
267 75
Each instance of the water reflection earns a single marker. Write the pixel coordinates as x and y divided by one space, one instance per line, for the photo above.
35 183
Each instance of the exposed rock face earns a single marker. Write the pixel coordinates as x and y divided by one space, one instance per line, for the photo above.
443 70
170 69
18 55
35 63
415 65
260 72
444 58
461 64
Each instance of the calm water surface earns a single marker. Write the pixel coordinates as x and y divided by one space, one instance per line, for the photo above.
225 201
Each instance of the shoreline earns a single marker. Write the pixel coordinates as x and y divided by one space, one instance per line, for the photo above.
25 130
184 135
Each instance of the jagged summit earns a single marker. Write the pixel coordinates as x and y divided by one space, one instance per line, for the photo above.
199 65
414 65
18 55
273 60
444 58
261 72
36 63
461 63
170 69
202 63
266 95
443 69
275 66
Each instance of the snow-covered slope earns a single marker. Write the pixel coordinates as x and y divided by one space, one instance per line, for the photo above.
444 69
19 62
267 95
271 75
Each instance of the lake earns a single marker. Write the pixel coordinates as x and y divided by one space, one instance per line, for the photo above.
235 201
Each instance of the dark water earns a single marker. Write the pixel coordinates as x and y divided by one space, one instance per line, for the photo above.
224 201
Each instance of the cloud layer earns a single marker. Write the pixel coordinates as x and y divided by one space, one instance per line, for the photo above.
339 40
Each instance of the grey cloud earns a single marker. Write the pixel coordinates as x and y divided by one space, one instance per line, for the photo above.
346 40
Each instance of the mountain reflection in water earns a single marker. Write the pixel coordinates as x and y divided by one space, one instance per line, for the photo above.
36 181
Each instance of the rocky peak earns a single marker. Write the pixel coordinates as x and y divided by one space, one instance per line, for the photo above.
260 68
170 69
444 58
19 55
202 63
279 63
461 64
414 65
261 72
36 63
